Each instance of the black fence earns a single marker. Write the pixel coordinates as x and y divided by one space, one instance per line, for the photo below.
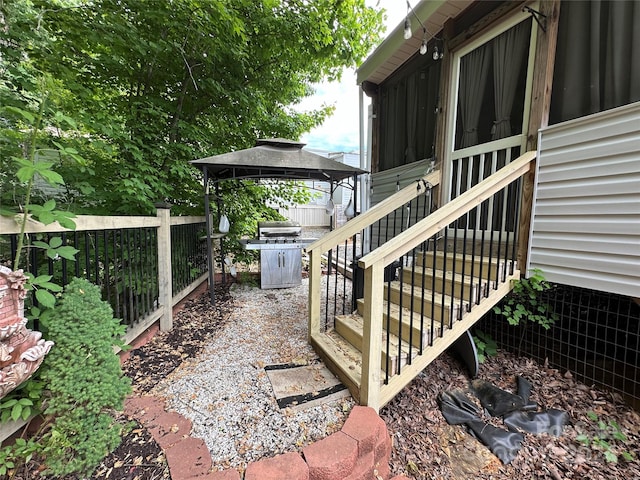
596 338
188 254
122 262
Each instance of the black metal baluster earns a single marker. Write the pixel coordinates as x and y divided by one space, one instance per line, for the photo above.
106 287
433 293
501 226
443 299
116 272
473 264
464 265
344 279
516 224
453 276
76 244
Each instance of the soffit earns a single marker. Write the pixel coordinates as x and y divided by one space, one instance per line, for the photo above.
394 51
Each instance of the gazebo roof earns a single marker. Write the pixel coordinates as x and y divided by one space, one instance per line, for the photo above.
275 158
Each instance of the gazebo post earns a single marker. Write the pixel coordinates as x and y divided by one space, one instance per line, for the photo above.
210 263
219 206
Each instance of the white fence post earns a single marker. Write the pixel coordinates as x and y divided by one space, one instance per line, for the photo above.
165 294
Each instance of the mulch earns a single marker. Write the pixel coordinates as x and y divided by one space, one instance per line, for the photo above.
425 446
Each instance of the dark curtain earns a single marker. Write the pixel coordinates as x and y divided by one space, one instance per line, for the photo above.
408 103
411 110
509 53
392 146
474 71
597 63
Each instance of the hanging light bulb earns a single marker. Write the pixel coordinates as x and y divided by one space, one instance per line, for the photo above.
407 28
423 46
436 53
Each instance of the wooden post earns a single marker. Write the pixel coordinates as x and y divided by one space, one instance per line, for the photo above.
315 280
539 115
372 336
165 297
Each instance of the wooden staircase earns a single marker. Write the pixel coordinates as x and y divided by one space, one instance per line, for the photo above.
377 344
418 323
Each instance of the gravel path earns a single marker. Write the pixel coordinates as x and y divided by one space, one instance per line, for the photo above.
226 393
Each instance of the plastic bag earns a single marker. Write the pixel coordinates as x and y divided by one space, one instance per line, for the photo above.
223 227
350 211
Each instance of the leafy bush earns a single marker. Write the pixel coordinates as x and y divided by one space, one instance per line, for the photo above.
12 455
84 381
524 304
485 345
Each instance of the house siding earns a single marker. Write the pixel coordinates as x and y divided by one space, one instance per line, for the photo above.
586 216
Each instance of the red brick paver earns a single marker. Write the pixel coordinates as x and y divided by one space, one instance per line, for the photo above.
288 466
188 458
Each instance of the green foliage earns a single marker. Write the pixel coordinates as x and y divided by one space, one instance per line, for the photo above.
248 279
15 409
246 203
14 455
29 168
607 437
83 379
485 345
523 304
152 88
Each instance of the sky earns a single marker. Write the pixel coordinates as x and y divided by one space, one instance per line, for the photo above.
340 132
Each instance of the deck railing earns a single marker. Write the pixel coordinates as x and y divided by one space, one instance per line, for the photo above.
477 261
143 265
338 251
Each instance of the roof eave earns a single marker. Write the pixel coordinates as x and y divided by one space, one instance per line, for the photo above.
395 50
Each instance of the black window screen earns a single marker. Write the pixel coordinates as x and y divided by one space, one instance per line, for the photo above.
597 64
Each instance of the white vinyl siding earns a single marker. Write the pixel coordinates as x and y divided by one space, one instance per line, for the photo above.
383 185
586 215
386 183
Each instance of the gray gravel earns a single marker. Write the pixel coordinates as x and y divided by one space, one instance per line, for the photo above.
226 393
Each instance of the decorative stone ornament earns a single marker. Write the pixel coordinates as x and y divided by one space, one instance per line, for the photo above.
21 350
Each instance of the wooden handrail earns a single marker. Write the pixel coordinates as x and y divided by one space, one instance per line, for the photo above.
83 222
359 223
441 218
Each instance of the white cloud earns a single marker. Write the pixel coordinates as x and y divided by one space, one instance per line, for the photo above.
340 132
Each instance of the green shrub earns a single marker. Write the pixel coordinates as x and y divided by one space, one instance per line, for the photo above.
486 346
523 304
84 381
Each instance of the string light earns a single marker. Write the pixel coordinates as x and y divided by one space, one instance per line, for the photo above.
424 46
407 29
407 26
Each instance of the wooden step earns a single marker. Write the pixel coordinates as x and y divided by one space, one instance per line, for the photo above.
342 358
410 323
350 327
456 285
440 307
490 270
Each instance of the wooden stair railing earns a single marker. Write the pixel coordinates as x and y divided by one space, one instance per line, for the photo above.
401 325
353 227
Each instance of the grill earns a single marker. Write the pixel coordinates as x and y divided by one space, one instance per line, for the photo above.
279 231
280 245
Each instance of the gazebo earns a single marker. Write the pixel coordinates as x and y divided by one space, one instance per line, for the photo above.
276 158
